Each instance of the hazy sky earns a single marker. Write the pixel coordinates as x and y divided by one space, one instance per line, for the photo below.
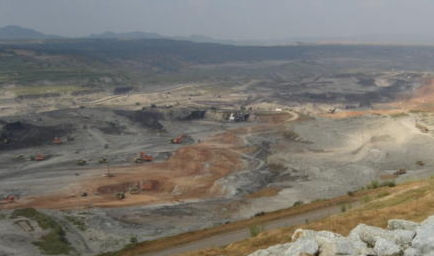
226 19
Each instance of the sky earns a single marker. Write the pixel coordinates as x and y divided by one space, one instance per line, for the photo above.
224 19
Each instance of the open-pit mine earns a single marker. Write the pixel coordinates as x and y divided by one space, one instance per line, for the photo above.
119 151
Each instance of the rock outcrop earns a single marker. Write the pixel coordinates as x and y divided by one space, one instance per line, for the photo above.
401 238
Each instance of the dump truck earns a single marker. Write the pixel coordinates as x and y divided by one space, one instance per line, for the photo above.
143 157
39 157
57 141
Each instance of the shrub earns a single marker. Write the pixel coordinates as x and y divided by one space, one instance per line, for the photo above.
373 185
420 163
388 184
298 203
133 240
255 230
366 199
343 208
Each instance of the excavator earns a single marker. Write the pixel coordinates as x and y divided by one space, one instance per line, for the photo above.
178 140
143 157
332 110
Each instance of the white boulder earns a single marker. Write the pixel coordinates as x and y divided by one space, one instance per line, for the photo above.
385 247
395 224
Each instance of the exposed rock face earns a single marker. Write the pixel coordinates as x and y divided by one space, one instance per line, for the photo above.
401 238
402 224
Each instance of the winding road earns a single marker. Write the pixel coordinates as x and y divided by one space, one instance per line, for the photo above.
244 233
241 234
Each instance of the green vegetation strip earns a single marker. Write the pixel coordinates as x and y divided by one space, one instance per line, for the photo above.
77 221
52 243
37 90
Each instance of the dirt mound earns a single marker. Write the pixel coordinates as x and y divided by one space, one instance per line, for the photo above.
18 134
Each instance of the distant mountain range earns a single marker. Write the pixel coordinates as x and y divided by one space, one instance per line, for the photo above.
147 35
19 33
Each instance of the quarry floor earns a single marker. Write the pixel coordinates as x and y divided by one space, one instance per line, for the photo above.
226 171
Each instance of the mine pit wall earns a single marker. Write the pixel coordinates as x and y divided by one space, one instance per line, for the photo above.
190 114
16 135
228 115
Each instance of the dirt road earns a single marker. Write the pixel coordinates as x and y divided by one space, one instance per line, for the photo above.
241 234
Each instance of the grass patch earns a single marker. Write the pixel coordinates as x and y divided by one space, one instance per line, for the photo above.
298 203
52 243
367 199
375 184
77 221
383 194
44 221
416 111
397 200
398 115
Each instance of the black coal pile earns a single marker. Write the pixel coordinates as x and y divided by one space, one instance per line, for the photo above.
122 90
112 128
15 135
193 115
147 119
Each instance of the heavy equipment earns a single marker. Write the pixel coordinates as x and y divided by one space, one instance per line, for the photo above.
120 195
81 162
178 140
57 141
143 157
9 199
332 110
39 157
